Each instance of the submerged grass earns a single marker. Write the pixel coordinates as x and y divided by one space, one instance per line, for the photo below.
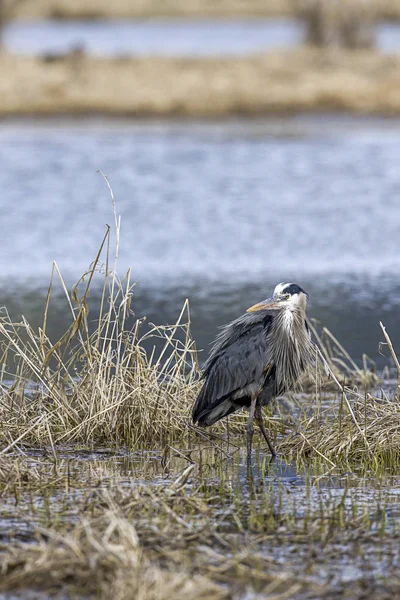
139 541
101 555
202 536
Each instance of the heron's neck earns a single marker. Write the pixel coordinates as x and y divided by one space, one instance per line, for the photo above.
290 346
292 318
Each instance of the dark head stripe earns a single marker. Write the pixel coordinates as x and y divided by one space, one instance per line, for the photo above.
292 288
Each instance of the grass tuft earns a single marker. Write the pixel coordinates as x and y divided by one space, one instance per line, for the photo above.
104 380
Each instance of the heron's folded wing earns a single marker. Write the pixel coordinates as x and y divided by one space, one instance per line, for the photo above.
233 368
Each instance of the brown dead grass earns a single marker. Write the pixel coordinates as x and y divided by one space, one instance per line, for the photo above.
124 393
76 9
362 427
148 544
277 82
199 541
103 557
364 431
150 8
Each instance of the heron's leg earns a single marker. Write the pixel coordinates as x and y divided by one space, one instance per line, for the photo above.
250 428
260 423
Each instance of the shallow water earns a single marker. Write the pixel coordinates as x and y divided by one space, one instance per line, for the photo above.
171 37
302 500
214 212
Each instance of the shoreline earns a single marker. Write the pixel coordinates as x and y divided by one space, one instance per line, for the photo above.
103 9
276 83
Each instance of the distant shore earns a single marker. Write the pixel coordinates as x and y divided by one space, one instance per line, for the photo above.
304 79
128 9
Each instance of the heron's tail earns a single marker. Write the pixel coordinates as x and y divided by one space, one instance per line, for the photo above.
205 414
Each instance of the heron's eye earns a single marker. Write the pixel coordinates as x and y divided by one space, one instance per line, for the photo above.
286 296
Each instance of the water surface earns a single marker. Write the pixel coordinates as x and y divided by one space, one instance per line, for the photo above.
291 507
171 37
216 212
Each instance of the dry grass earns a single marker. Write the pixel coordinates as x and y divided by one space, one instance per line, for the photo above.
98 385
363 427
366 430
278 82
75 9
150 543
101 557
203 540
72 9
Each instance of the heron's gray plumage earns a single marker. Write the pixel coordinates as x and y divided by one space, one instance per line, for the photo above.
259 355
234 368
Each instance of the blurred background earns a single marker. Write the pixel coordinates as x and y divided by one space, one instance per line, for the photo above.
247 142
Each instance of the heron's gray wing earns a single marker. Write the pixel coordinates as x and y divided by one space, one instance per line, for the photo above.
235 330
233 368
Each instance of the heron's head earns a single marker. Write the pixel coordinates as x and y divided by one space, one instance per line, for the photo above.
286 295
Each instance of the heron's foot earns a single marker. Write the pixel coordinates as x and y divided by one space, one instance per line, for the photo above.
272 458
250 475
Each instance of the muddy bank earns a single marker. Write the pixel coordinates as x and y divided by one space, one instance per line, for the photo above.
277 82
75 9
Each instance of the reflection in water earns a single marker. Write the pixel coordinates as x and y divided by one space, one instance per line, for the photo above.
218 213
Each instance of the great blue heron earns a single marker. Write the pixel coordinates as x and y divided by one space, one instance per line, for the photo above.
255 358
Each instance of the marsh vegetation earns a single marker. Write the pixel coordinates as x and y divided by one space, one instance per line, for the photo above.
97 9
344 63
107 490
302 80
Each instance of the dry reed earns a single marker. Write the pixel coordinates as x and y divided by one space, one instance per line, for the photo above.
362 426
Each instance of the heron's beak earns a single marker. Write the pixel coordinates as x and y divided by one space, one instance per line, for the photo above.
268 304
